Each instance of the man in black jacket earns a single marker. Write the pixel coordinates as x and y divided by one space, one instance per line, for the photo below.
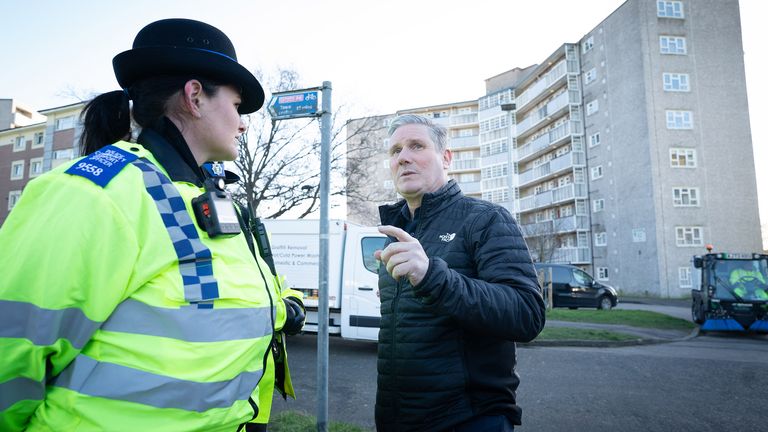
458 289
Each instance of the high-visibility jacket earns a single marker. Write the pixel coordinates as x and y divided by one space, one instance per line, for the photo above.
267 384
118 313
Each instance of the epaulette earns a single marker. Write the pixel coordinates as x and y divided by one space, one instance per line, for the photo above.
102 165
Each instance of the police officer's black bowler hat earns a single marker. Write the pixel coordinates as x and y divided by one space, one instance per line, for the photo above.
180 47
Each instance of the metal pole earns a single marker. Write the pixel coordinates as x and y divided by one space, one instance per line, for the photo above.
322 307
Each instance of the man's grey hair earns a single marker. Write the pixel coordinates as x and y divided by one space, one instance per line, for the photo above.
437 132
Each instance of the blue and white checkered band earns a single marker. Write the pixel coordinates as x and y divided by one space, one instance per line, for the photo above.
195 263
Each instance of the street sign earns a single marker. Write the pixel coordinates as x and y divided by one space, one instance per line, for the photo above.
293 105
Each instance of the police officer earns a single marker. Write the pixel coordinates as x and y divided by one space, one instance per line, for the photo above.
130 299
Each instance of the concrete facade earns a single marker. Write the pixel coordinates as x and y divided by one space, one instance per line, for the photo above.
628 151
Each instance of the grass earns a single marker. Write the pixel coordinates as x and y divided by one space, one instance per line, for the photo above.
569 333
295 421
634 318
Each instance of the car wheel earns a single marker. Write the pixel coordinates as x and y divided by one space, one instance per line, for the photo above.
605 303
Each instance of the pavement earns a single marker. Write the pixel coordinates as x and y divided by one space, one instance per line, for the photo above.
678 308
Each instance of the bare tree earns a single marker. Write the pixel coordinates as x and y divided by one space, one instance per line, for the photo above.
543 239
364 186
279 161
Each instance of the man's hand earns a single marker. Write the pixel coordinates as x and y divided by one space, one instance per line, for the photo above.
405 257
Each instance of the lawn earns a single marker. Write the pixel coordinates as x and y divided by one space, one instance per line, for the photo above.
294 421
634 318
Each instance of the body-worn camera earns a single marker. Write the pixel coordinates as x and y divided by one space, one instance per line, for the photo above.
215 211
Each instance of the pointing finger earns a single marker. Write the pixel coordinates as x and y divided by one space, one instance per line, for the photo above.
397 233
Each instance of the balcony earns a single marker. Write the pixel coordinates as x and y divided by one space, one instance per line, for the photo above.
464 119
556 226
465 165
548 111
537 89
572 255
552 168
470 187
553 196
544 141
464 142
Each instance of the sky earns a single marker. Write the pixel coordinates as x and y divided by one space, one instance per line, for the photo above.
381 56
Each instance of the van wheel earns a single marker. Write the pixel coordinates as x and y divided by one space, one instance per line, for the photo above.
605 303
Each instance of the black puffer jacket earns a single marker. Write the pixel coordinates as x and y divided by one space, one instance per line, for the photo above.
447 346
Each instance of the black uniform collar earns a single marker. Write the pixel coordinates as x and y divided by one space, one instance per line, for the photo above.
170 149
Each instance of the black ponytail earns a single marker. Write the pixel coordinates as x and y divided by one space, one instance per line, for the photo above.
106 119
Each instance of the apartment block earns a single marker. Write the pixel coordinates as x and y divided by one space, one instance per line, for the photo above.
32 143
624 152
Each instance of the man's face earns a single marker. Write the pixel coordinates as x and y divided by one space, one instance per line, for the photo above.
417 166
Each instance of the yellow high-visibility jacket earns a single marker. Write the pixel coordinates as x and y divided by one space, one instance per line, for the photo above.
118 313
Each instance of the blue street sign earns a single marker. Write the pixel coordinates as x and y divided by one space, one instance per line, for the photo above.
293 105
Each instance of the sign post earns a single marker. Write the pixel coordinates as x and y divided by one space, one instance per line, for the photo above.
299 104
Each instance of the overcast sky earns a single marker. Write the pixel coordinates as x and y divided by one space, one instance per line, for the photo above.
381 56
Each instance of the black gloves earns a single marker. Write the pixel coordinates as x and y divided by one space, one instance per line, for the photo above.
294 316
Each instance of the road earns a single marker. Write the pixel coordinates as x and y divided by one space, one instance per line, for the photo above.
710 383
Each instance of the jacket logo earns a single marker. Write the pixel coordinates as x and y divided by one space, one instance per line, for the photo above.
447 237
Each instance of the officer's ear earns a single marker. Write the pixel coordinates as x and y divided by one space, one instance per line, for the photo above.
191 98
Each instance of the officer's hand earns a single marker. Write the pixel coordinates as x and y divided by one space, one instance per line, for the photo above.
295 316
405 257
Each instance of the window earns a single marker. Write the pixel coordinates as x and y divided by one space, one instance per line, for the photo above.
35 167
593 107
67 154
466 132
601 239
65 123
688 236
590 76
684 277
369 246
587 45
672 45
682 158
597 172
674 82
39 139
638 235
20 144
679 119
594 139
17 170
685 197
13 198
669 9
598 205
602 273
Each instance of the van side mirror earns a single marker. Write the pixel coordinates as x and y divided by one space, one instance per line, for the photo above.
697 262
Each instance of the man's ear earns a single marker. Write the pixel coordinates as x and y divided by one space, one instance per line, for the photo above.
447 158
192 94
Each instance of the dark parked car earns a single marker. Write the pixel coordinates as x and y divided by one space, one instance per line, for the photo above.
574 288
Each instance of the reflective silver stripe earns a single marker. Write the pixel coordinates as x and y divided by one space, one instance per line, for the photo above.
189 323
108 380
45 326
19 389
